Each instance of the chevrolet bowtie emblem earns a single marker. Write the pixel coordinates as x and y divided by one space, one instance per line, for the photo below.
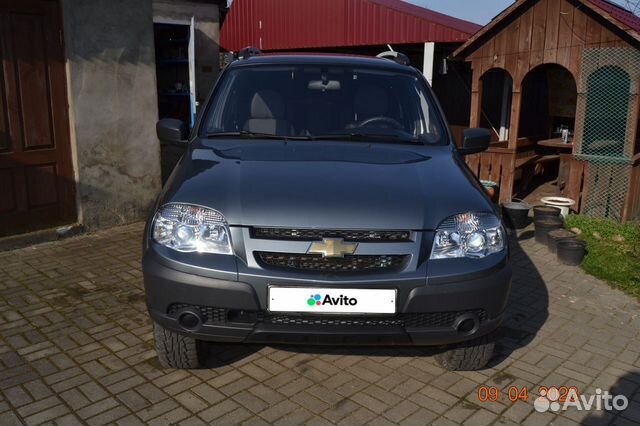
332 247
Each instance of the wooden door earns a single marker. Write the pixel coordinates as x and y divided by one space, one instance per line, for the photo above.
36 173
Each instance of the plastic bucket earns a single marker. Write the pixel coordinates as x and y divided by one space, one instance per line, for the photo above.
546 224
571 251
556 235
539 211
517 214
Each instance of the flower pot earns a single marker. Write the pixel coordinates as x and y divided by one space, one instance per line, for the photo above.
557 235
545 224
491 188
517 214
539 211
571 251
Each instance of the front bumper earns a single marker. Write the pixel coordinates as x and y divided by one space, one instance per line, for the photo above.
429 311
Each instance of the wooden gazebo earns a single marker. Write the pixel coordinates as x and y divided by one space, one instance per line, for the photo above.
558 81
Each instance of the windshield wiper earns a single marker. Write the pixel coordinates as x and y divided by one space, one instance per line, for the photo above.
253 135
368 137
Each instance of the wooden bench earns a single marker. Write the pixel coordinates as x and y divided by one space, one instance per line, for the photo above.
525 157
528 166
543 160
536 161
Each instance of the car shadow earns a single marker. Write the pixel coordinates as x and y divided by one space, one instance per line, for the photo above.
528 305
526 313
629 386
226 354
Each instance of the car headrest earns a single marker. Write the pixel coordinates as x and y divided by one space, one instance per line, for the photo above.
267 104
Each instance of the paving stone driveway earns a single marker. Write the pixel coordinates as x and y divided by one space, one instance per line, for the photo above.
76 348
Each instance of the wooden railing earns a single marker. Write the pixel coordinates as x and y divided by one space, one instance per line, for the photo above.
502 165
496 164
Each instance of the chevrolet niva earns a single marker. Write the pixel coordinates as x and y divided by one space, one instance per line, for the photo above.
321 200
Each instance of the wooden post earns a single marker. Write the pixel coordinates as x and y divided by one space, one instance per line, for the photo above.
632 124
509 164
516 103
578 170
506 181
633 192
476 101
632 203
581 107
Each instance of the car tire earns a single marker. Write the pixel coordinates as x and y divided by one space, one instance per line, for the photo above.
178 351
467 356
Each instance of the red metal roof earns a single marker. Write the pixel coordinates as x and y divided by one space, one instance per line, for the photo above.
303 24
619 13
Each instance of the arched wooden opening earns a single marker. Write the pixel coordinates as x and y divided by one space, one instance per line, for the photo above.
549 96
497 90
546 125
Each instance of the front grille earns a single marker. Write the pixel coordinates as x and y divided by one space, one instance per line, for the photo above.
438 319
317 263
341 321
209 314
319 234
408 320
422 320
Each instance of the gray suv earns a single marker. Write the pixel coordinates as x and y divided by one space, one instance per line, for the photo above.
321 200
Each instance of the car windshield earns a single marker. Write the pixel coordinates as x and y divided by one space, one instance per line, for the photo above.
323 102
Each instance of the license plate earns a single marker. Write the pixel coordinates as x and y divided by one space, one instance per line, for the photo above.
332 300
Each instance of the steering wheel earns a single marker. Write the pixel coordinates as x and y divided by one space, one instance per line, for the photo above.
381 119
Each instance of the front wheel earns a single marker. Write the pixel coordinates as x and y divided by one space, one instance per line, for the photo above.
178 351
467 356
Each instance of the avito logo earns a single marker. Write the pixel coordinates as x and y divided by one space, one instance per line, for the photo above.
342 300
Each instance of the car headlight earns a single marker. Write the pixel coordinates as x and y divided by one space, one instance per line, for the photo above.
472 235
188 228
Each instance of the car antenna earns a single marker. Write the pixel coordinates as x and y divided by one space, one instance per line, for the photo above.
397 57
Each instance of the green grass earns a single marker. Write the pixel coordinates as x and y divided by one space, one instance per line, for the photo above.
617 262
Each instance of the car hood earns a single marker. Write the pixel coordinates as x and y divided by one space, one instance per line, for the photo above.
328 185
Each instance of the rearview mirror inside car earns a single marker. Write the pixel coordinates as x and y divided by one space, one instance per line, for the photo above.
324 85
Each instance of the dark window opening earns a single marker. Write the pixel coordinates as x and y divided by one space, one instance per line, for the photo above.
549 97
497 88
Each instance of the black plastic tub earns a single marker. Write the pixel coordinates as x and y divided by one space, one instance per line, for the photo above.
571 251
516 214
557 235
540 211
545 224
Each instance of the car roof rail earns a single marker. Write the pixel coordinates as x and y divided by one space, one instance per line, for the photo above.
397 57
248 52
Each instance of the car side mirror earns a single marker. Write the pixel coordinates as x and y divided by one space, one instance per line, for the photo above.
475 140
174 131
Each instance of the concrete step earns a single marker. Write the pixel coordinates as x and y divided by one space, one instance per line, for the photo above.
42 236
